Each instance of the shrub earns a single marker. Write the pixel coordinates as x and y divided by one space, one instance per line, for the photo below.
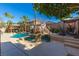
56 30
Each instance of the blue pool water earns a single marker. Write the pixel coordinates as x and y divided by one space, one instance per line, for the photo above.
20 35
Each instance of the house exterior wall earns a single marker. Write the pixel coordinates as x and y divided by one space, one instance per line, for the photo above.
12 28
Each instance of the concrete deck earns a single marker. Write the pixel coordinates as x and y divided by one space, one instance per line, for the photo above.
53 48
8 48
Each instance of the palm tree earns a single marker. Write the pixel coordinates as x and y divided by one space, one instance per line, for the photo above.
35 12
25 20
35 19
21 27
10 16
1 24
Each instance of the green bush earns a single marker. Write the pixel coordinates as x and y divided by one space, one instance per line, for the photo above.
56 30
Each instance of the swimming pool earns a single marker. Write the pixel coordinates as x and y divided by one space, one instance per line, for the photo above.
29 37
20 35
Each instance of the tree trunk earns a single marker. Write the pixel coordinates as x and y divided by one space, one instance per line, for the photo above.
25 27
35 22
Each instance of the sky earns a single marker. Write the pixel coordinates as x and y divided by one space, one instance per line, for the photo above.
23 9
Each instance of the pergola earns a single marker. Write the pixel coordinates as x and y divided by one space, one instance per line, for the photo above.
74 22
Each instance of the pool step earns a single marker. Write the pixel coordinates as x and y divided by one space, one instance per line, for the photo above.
68 41
72 45
72 41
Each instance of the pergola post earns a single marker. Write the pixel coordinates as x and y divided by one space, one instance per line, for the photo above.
77 26
64 28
